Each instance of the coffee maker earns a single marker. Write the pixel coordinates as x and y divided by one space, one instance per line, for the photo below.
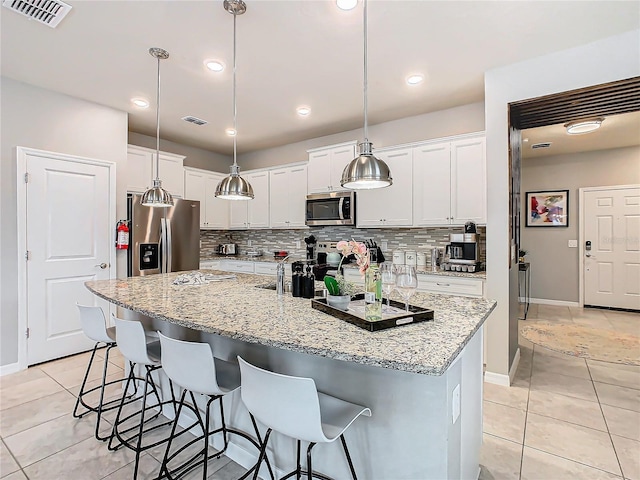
463 247
311 242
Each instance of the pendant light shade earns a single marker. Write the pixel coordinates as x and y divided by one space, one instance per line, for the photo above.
157 196
366 172
234 187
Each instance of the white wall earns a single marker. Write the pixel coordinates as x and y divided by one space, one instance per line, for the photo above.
453 121
41 119
608 60
547 247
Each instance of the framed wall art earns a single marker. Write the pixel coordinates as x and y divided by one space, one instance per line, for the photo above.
548 208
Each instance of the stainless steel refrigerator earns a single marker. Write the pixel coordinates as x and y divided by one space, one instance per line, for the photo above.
163 240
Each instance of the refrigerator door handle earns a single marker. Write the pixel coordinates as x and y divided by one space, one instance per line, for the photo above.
163 245
169 246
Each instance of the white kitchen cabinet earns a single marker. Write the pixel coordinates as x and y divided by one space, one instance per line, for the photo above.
326 165
390 206
141 170
449 182
237 266
265 268
450 285
287 195
201 185
244 214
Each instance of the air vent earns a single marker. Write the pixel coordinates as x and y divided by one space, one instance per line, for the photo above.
49 12
196 120
541 145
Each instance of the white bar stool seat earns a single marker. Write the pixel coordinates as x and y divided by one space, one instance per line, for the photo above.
192 366
294 407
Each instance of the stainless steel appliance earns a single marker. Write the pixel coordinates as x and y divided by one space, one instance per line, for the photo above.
463 248
334 208
163 239
228 249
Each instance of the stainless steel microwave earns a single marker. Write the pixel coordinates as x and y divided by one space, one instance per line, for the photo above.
334 208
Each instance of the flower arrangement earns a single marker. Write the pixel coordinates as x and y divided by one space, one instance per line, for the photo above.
338 285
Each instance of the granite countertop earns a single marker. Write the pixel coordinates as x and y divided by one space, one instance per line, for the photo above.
237 309
270 258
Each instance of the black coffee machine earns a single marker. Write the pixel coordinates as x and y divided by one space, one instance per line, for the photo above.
463 247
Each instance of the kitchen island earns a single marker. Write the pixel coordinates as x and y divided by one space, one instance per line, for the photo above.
423 382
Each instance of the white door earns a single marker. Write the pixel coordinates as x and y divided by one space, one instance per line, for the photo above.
69 234
612 264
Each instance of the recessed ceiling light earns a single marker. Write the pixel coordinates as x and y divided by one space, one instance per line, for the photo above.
214 65
303 110
583 126
415 79
231 132
346 4
140 102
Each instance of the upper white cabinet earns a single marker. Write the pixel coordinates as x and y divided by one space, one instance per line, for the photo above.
141 170
326 165
449 182
201 185
390 206
254 213
287 195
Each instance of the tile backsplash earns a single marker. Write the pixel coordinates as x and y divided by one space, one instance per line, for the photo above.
271 240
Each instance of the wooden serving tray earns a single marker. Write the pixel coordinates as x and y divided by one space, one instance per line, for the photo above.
355 313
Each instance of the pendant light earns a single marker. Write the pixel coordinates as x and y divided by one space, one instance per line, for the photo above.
157 196
366 171
234 187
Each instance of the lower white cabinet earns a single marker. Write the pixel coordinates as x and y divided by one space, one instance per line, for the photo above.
241 266
265 268
201 185
237 266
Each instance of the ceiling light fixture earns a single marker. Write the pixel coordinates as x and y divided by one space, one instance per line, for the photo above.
157 196
230 131
346 4
583 126
140 102
366 171
214 65
234 187
415 79
304 111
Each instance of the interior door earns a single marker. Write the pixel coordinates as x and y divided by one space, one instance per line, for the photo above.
612 258
69 236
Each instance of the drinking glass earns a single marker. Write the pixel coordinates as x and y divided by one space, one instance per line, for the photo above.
406 283
388 277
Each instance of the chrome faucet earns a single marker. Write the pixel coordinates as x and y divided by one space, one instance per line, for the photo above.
280 276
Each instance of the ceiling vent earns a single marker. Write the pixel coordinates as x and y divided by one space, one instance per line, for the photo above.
541 145
196 120
49 12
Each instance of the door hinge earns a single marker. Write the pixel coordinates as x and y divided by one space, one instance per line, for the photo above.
26 178
27 255
27 333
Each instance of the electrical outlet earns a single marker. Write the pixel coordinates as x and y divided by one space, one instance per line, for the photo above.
573 243
298 244
248 243
455 404
384 246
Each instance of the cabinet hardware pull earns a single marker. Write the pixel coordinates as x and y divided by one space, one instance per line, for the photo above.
443 284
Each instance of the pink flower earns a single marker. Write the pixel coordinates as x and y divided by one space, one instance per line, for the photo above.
343 247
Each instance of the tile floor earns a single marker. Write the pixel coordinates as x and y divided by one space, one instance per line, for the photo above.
563 418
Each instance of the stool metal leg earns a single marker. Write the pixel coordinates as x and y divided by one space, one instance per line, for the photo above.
346 452
309 467
298 466
100 403
84 382
263 453
164 469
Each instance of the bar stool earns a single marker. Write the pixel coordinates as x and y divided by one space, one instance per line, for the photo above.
94 326
294 407
192 366
132 342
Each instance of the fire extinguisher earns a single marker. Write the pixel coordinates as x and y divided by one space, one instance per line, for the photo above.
122 235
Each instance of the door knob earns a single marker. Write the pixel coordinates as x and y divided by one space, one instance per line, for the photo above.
102 265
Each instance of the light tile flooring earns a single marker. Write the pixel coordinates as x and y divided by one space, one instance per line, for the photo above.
564 418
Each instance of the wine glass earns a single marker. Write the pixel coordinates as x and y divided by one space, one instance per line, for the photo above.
388 277
406 283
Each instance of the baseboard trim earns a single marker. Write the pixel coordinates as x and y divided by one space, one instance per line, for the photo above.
497 378
9 369
546 301
514 366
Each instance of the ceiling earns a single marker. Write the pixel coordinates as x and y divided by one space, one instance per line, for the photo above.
291 53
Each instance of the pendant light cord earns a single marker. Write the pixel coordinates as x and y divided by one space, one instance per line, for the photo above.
158 124
366 127
235 108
